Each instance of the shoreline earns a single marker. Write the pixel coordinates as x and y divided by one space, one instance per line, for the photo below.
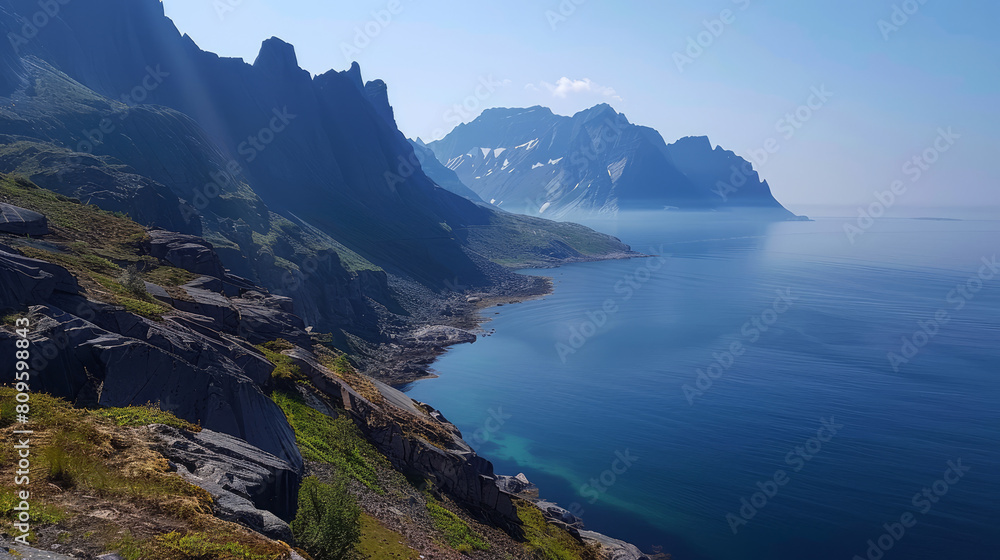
542 286
404 360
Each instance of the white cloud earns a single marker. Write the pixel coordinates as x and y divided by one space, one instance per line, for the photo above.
564 87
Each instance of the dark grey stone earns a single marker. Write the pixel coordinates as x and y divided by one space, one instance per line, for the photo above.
20 221
250 486
191 253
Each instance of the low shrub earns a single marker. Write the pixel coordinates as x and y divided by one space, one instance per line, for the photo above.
328 523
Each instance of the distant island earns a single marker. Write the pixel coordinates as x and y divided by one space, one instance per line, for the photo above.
532 161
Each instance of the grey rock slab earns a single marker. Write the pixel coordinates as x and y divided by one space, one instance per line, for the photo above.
20 221
250 486
28 281
189 252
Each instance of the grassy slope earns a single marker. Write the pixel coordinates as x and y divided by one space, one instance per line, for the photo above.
97 486
92 244
522 241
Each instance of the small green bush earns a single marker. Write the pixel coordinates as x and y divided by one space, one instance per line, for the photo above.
328 523
131 279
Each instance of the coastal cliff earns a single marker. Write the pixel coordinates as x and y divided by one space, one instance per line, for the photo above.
141 337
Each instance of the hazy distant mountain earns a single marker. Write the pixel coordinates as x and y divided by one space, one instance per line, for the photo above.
534 162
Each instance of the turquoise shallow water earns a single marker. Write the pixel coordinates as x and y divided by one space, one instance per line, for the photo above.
802 433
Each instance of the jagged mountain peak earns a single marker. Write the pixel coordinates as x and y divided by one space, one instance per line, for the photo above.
378 93
354 74
278 58
599 111
534 162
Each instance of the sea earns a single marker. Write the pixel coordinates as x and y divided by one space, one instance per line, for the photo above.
809 390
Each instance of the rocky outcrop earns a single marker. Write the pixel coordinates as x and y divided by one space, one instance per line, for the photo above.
457 471
29 281
250 487
191 253
440 336
264 317
613 549
462 474
19 221
516 484
80 361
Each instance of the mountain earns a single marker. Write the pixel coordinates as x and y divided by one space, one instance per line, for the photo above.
534 162
301 183
440 174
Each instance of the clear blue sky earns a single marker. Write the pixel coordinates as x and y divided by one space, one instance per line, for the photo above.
939 69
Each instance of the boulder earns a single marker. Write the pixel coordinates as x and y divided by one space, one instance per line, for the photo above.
19 221
191 253
250 486
516 484
264 317
559 515
28 281
210 304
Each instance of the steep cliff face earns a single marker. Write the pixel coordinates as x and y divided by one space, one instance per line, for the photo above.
729 178
280 125
534 162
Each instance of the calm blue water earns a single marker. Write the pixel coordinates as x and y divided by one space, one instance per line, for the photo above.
823 356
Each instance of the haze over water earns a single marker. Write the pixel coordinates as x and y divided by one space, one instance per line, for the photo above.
817 357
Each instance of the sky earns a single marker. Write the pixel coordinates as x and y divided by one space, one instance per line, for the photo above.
832 101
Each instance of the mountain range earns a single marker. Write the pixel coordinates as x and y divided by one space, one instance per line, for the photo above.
303 184
532 161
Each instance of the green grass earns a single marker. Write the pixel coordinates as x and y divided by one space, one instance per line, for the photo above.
457 533
170 277
335 441
76 455
549 542
133 416
11 319
284 235
40 513
194 545
284 367
91 244
102 233
519 241
380 543
147 306
201 545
